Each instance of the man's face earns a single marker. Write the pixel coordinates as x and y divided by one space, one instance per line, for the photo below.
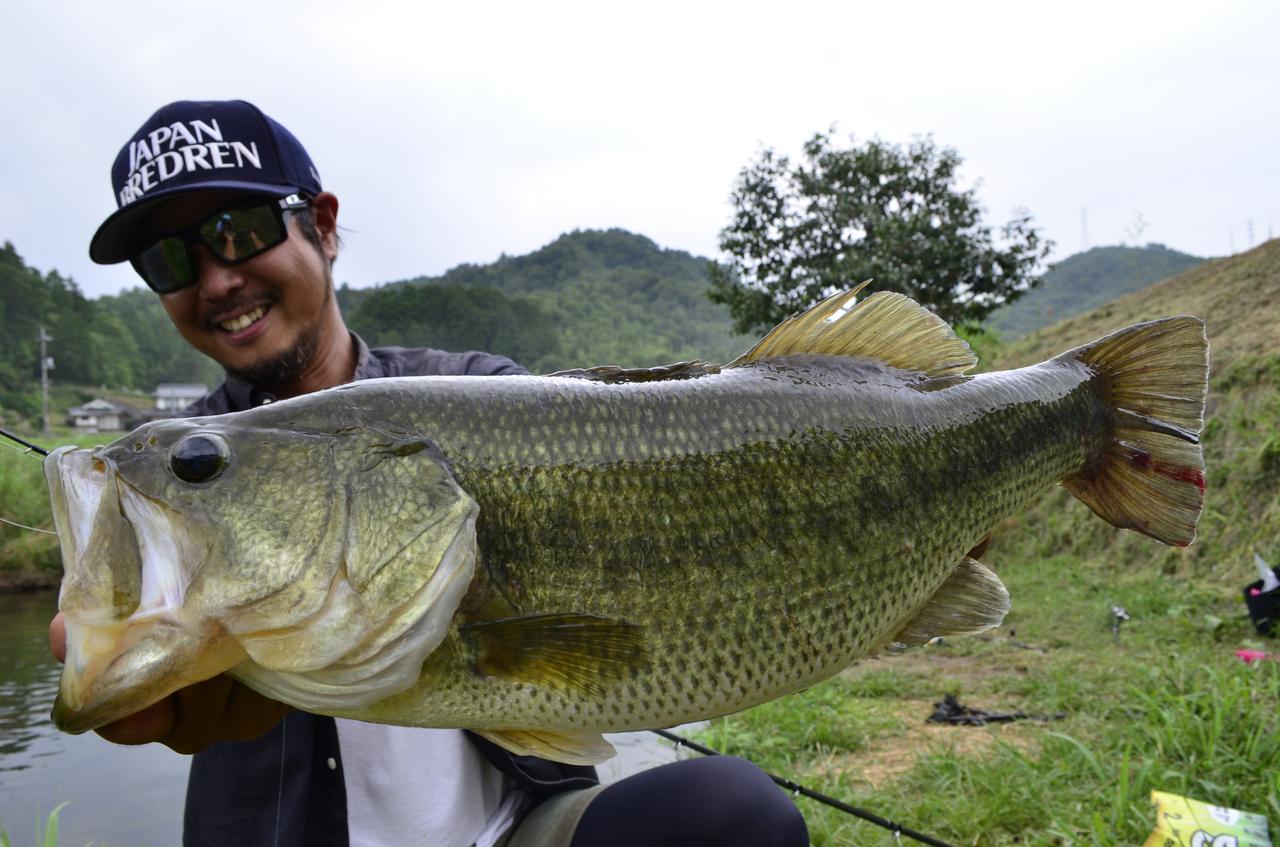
260 320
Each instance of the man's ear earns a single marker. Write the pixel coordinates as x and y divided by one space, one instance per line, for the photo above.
324 207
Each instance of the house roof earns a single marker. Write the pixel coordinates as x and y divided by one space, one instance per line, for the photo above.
98 406
180 389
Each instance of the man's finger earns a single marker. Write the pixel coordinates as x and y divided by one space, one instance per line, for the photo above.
58 637
220 709
151 724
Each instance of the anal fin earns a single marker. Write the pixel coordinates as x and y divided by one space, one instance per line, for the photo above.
972 600
571 652
572 748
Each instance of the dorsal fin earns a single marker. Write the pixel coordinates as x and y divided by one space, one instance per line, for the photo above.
886 326
618 375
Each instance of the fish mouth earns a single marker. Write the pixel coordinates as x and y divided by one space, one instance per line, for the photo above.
130 642
113 671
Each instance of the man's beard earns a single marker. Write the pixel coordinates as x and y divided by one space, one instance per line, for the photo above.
289 365
284 367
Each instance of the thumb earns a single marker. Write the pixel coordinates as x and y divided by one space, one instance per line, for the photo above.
58 637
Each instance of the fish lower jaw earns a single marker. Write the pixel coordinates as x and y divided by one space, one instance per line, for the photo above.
118 669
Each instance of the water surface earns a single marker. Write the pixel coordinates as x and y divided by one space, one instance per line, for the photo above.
117 795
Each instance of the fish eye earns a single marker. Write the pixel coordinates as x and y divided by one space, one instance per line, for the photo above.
199 457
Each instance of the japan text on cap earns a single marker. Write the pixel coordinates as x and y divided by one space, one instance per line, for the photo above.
226 145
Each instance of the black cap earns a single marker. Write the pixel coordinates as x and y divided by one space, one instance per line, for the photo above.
223 145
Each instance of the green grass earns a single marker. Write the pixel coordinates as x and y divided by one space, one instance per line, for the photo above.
46 835
1165 706
31 559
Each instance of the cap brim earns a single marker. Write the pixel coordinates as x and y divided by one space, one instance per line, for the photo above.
114 241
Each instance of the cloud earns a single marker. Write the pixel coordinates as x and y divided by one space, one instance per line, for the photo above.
454 133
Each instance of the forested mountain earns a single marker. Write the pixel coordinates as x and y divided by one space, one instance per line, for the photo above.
588 298
121 342
1085 281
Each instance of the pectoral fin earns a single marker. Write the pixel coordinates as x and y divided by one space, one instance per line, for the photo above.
972 600
573 653
572 748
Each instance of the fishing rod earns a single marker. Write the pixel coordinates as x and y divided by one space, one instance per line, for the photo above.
24 442
43 452
897 829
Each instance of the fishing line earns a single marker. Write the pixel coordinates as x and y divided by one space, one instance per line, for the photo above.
897 829
24 526
24 443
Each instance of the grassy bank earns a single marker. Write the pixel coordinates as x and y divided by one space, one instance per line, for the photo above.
30 560
1165 705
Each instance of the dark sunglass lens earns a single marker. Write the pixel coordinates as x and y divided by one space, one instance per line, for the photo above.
240 234
165 265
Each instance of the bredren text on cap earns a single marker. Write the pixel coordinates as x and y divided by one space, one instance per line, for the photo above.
221 145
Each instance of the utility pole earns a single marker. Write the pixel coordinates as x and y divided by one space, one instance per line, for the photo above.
46 362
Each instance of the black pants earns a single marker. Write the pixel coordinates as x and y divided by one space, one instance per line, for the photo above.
707 802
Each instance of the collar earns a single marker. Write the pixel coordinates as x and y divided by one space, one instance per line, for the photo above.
246 396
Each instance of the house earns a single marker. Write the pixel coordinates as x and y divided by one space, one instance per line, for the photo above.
175 396
100 415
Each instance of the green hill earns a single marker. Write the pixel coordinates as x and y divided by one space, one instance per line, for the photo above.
588 298
120 342
1087 280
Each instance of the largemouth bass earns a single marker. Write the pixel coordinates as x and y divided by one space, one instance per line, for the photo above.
543 559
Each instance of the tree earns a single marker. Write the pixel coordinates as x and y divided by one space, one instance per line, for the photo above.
843 215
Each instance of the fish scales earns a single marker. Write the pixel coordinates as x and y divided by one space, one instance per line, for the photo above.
542 559
811 506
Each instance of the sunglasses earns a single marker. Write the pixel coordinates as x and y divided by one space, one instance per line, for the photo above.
233 236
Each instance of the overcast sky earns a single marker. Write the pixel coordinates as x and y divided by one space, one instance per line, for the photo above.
457 132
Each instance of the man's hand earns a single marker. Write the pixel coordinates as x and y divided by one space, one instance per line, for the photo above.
189 720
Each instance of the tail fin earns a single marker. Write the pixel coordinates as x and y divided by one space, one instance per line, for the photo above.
1150 478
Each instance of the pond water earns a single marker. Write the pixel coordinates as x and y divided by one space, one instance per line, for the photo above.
119 795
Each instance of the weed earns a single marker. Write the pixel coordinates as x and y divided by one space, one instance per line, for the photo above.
46 835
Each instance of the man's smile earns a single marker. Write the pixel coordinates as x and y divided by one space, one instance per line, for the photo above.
245 324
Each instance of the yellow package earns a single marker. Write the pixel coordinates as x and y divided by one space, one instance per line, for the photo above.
1183 822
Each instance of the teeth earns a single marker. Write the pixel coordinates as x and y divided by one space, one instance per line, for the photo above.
238 323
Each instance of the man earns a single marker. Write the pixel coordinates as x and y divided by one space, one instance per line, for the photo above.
222 213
